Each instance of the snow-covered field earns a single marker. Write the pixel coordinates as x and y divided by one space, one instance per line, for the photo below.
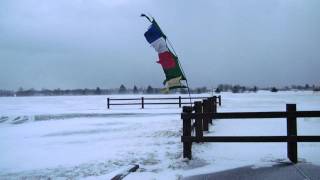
76 137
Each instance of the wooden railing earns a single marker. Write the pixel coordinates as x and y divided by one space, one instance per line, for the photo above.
199 113
150 101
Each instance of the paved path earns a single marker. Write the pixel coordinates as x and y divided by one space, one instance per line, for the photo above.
300 171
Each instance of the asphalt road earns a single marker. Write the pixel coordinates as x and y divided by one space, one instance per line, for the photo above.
284 171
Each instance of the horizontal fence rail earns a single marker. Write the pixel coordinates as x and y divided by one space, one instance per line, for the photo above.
199 115
252 139
251 115
146 101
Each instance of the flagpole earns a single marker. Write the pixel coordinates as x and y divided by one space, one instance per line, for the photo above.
181 70
189 92
143 15
184 74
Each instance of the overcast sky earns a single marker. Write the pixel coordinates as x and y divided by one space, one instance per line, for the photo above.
90 43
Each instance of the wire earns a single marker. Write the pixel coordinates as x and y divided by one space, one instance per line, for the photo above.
301 172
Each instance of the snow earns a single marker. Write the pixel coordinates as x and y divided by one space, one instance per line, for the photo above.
77 137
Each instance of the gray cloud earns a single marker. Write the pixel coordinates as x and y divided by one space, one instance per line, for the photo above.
89 43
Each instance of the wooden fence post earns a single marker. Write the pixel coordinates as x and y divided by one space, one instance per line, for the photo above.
206 109
215 104
198 119
292 147
108 103
179 101
142 102
219 97
211 108
187 146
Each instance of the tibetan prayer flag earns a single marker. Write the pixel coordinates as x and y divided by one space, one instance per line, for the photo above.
168 60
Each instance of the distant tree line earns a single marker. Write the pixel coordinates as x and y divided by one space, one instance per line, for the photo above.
242 89
60 92
151 90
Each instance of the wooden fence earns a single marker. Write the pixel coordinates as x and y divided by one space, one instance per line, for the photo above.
202 115
150 101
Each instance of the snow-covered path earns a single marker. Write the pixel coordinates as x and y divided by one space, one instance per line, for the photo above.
77 137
